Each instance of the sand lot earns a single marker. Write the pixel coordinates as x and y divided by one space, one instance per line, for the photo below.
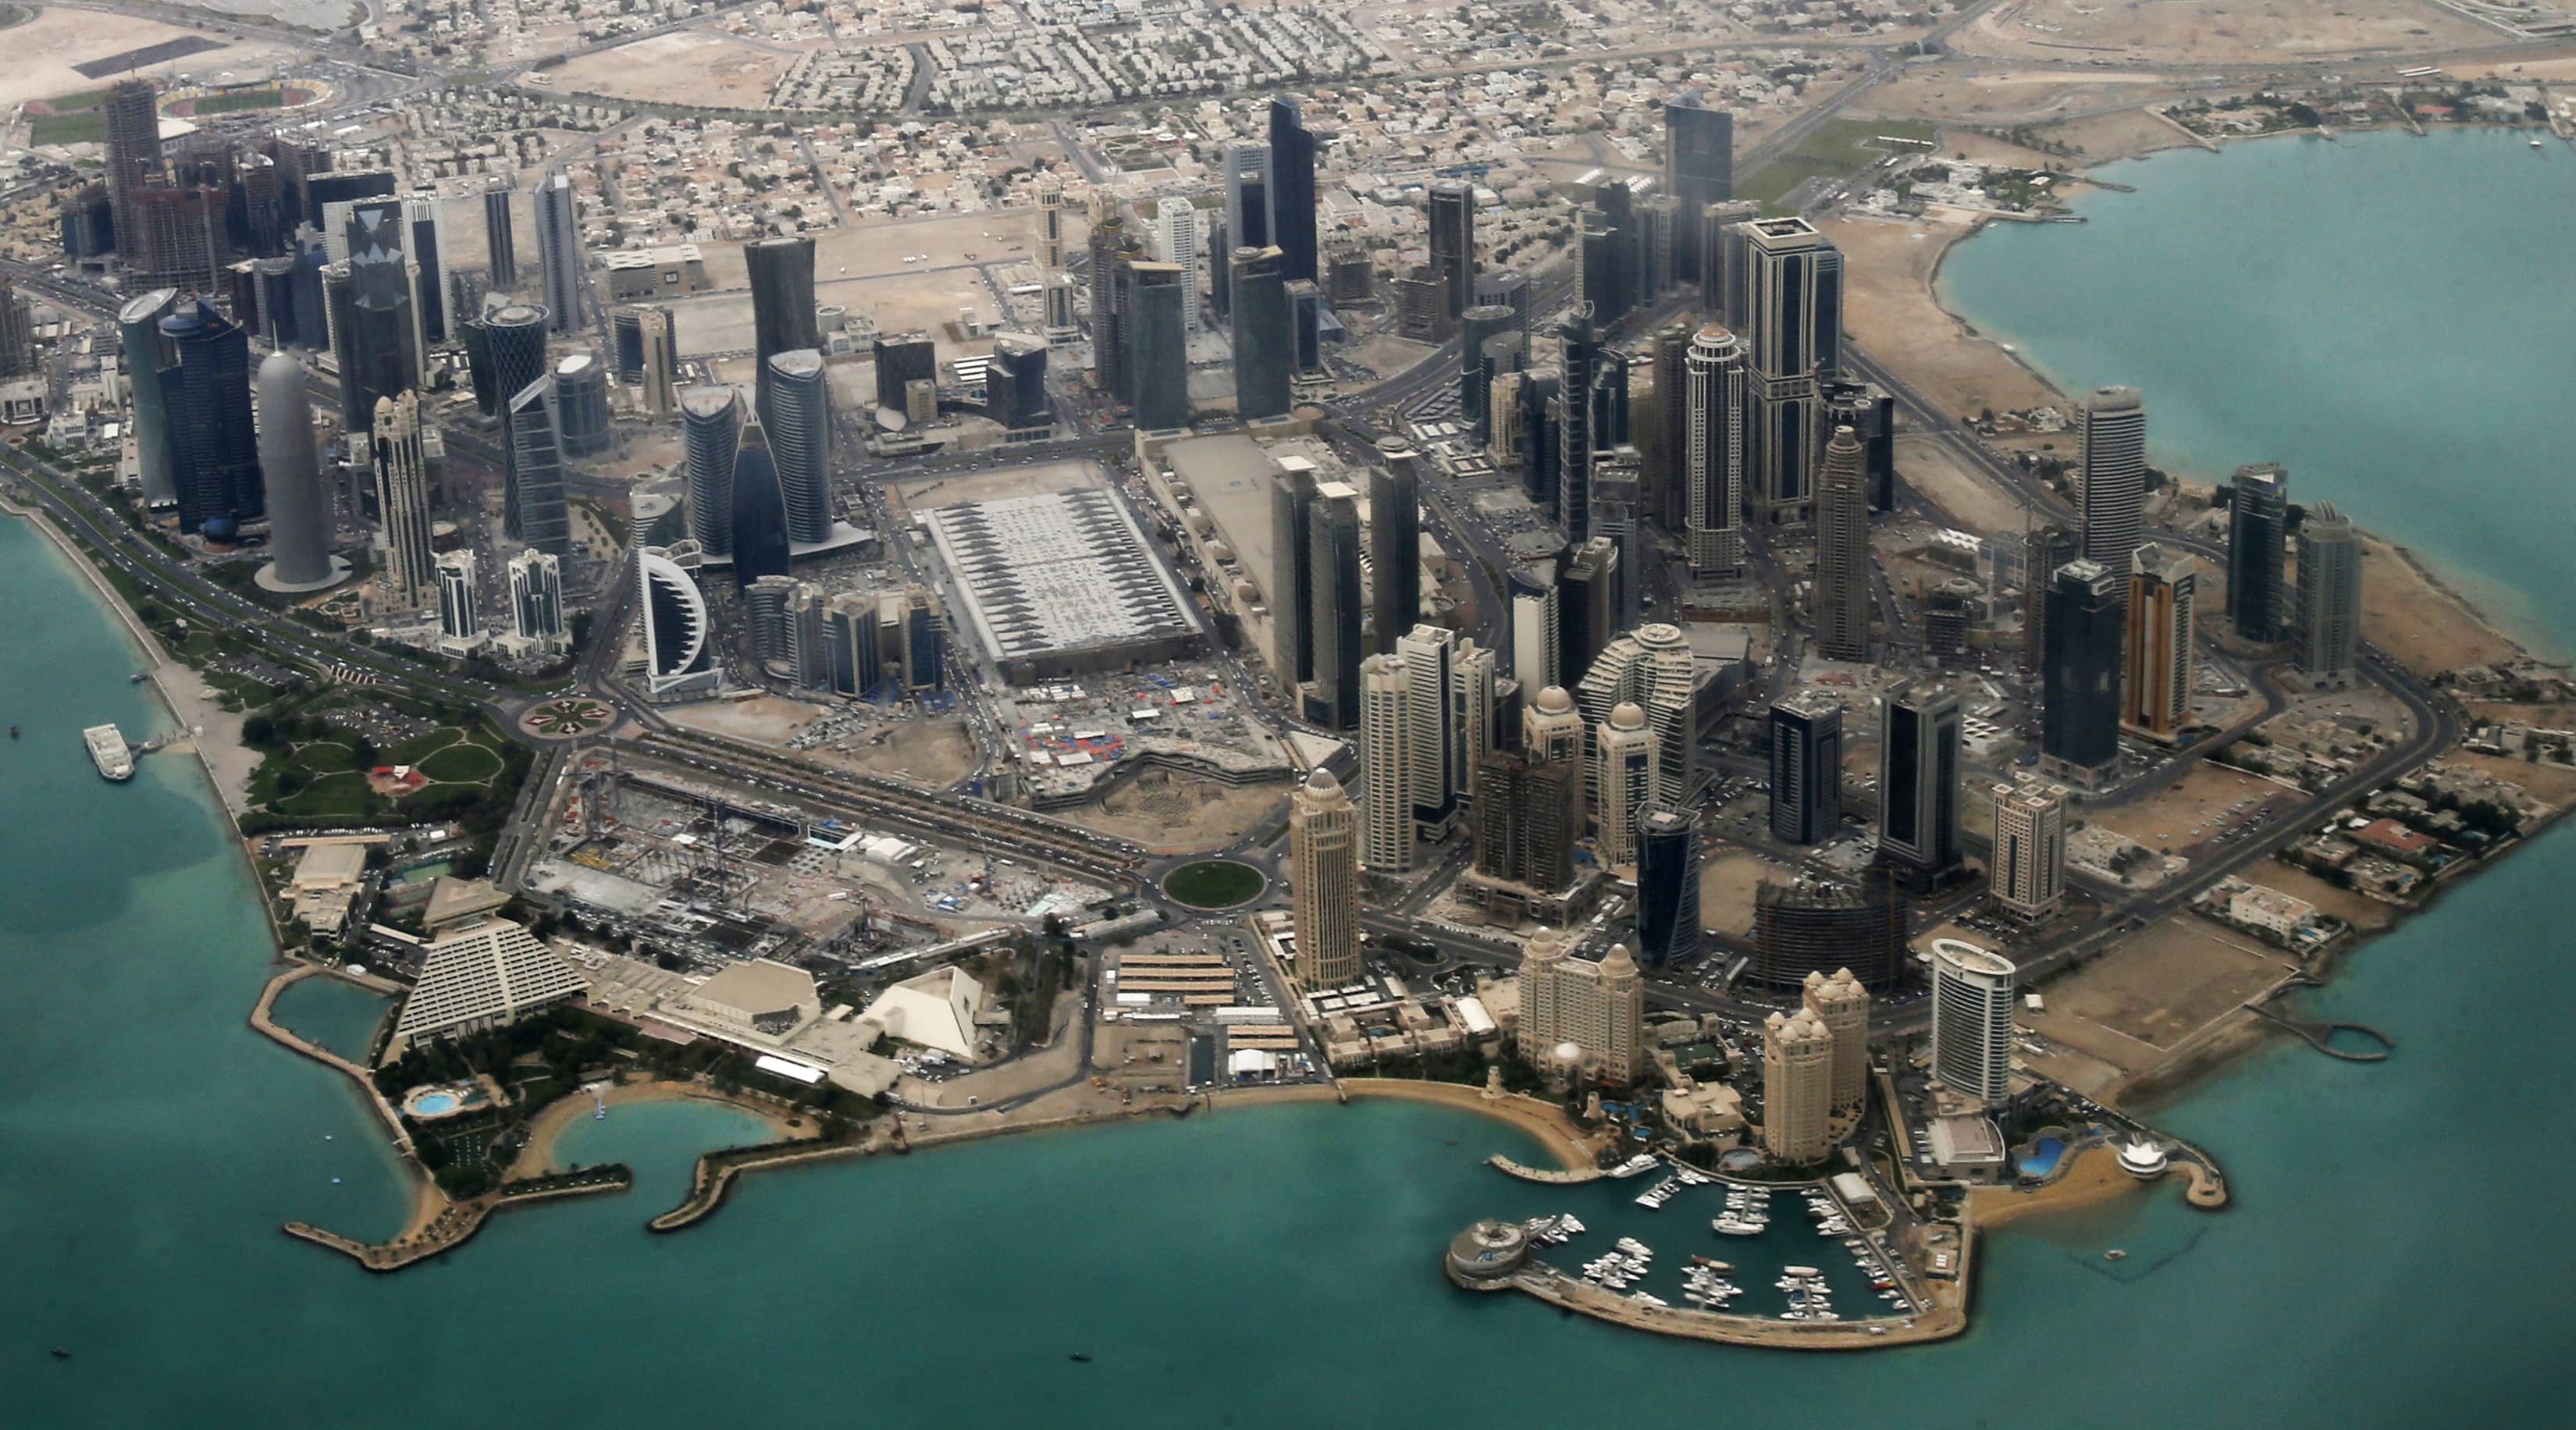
1889 310
36 59
1176 813
2203 799
684 67
2156 988
2211 31
1726 884
2424 626
1945 479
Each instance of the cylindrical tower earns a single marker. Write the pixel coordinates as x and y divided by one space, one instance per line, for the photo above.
139 322
711 418
299 510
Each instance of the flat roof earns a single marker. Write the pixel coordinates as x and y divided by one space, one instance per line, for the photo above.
1058 571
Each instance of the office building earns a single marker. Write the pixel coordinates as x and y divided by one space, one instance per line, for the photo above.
299 506
17 334
581 394
764 608
1452 214
1651 668
1793 325
459 622
515 337
559 250
2156 696
1665 439
1972 1023
1807 767
1667 887
1387 830
1290 593
1176 242
1395 542
1598 1008
656 372
2258 533
1842 1005
1659 246
499 243
809 649
1535 639
1573 412
536 599
1552 728
2326 633
903 359
138 324
1845 575
1324 876
1712 457
540 512
1806 926
1918 784
854 644
1527 816
1621 783
711 431
425 242
1617 493
1015 392
1263 343
1158 337
1335 605
1607 253
799 429
1435 738
1797 1088
679 635
2043 550
213 441
1699 158
1490 344
2079 739
2028 871
132 114
1247 195
783 320
1112 249
759 510
2111 475
1292 190
402 502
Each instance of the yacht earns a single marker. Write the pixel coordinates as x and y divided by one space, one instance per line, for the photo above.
108 751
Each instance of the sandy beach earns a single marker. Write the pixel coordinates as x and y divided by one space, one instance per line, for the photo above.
1553 1129
2092 1178
537 1158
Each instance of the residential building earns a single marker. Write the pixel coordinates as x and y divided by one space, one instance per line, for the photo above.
1621 787
2326 634
2028 871
1842 1005
1972 1021
1797 1088
2156 696
1807 767
1323 855
1387 829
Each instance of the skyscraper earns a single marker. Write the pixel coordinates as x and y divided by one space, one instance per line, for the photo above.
1535 641
1158 354
1292 189
1289 589
1395 542
205 398
2043 550
657 371
1262 340
1712 462
133 120
1387 830
402 502
1842 1005
764 606
2079 737
1651 667
711 426
581 400
540 513
1597 1007
380 351
1574 437
515 336
559 250
1797 1088
1435 752
460 619
2156 697
2111 428
783 318
759 510
2258 528
536 598
2028 873
138 323
679 636
1806 926
1324 874
425 242
500 245
1452 214
1552 727
1247 195
1667 887
1845 575
1699 155
799 429
1587 608
299 507
1334 605
1793 323
1015 392
1176 242
2326 635
1621 786
1807 767
1972 1027
1528 815
1918 784
17 333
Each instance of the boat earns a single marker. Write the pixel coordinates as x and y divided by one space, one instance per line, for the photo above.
1642 1162
1808 1272
107 750
2535 143
13 732
59 1352
1079 1358
2115 1253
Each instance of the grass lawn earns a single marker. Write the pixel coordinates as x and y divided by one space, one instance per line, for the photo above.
86 126
416 751
461 763
246 99
336 796
324 757
1836 148
1214 884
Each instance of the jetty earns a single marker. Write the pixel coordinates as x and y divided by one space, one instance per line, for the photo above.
2319 1033
262 1017
456 1222
1556 1177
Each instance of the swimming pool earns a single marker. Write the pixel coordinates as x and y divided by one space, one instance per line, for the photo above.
434 1103
2043 1157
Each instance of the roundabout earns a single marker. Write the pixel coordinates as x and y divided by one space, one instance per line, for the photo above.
568 719
1214 884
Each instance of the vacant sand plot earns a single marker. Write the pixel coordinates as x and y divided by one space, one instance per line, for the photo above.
36 60
929 752
1726 885
684 67
1177 813
2425 626
2200 801
2210 31
765 719
2157 988
1945 479
1889 309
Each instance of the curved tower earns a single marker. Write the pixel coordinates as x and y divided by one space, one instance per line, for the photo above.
679 639
1713 459
139 323
799 427
299 510
759 513
711 420
205 394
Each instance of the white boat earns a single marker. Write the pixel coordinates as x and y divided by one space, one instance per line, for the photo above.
1635 1165
107 750
1808 1272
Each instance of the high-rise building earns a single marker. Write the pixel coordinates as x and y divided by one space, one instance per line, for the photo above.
1334 605
764 606
536 598
1659 246
711 428
1809 926
1617 493
1842 1005
459 619
402 502
1395 542
1807 767
540 511
1158 338
1387 829
2028 872
1479 706
783 318
138 323
17 333
1793 327
515 336
1845 574
205 400
2156 696
1292 190
1324 875
809 652
1621 787
2258 531
1112 249
559 250
1015 392
1176 242
759 510
381 345
902 359
855 645
299 506
2326 634
1651 667
1918 784
500 245
1667 887
2079 738
1712 462
1263 342
1699 158
1587 607
425 241
1725 244
1290 587
1972 1024
581 396
1452 214
1870 411
1599 1008
2111 492
1797 1088
1535 640
1489 344
2043 550
1435 775
1247 195
799 428
657 361
1607 250
679 635
1528 815
133 121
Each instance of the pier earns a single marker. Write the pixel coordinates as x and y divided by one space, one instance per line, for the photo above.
2319 1034
262 1017
456 1222
1568 1177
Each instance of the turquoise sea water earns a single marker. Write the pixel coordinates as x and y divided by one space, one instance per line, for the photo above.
340 1016
2390 1259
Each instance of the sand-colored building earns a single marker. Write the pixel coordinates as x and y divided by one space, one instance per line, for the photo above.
1797 1087
1324 873
1598 1008
1842 1005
